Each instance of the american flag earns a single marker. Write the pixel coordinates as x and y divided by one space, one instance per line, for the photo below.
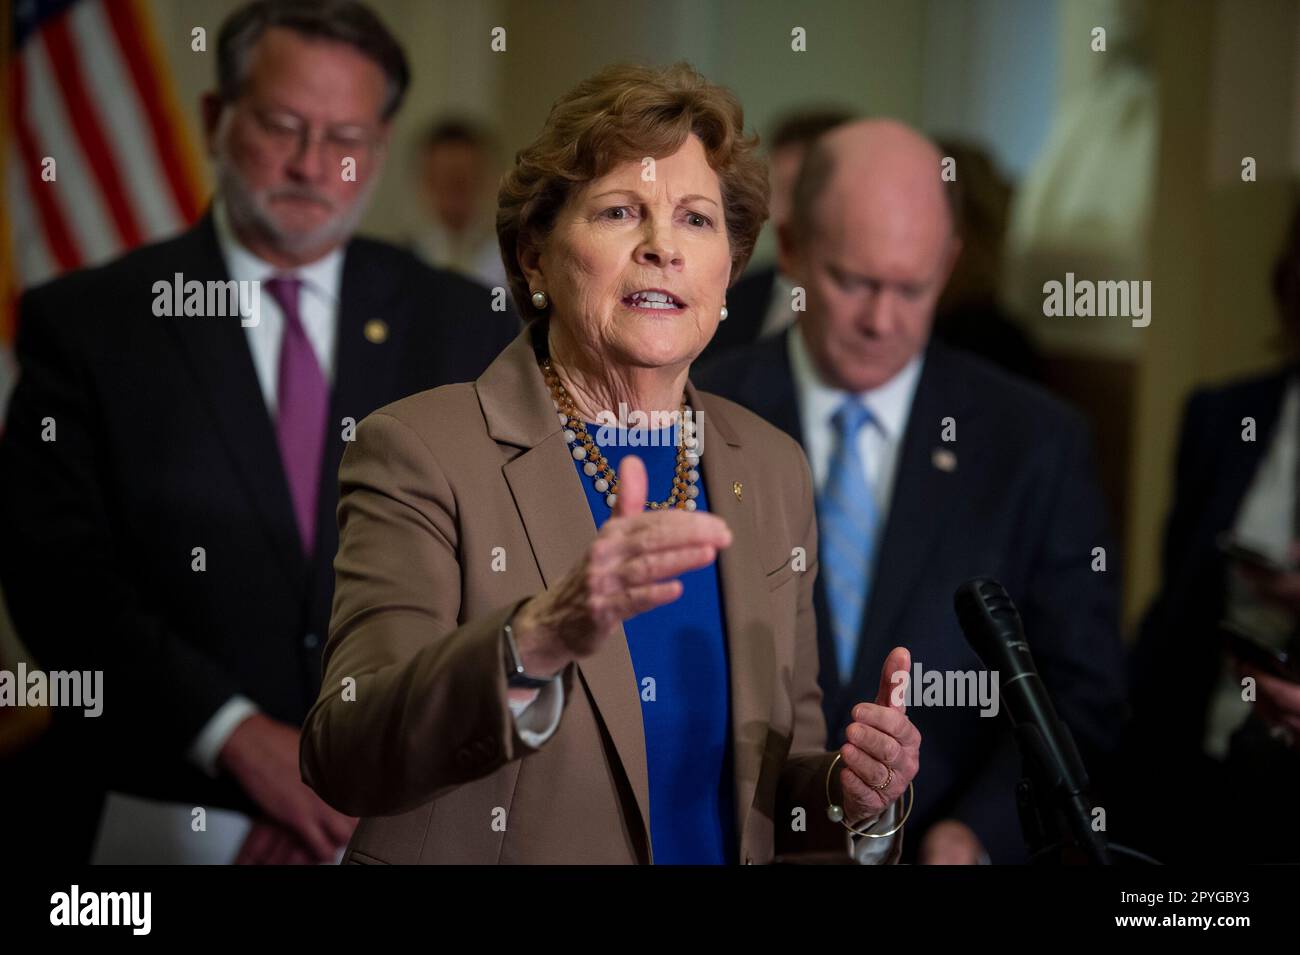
96 158
95 161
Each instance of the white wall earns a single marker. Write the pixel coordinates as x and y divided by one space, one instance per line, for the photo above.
990 75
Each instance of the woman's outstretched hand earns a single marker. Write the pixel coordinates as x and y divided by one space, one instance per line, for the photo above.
630 567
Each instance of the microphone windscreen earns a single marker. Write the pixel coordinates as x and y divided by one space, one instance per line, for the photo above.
991 623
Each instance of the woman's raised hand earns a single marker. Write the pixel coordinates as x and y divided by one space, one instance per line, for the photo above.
882 749
630 567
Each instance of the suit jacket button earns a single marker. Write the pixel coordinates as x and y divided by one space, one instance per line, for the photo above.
311 641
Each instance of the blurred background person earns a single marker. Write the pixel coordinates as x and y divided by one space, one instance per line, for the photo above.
1230 603
638 701
931 467
759 304
179 532
457 171
971 315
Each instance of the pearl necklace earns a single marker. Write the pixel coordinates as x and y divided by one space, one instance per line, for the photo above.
584 448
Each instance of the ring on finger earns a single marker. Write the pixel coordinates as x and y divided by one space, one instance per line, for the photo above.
889 778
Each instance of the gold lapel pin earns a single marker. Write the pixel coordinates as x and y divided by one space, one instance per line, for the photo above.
943 459
376 331
738 489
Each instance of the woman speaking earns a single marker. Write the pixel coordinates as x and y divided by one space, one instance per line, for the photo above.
573 614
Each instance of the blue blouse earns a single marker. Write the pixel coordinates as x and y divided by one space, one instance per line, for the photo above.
679 655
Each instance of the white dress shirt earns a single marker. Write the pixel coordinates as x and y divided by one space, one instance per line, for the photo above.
878 442
318 305
318 311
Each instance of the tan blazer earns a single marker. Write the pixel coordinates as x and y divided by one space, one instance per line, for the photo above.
456 504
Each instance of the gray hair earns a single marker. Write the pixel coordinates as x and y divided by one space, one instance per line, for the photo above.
343 21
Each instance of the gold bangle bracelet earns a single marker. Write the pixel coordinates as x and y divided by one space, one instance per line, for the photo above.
835 811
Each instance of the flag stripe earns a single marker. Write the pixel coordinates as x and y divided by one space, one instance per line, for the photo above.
85 120
55 227
143 176
33 257
94 151
149 75
75 191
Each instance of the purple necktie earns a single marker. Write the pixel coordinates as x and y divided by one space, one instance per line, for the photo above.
303 398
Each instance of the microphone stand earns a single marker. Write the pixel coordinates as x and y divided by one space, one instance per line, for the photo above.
1056 814
1055 817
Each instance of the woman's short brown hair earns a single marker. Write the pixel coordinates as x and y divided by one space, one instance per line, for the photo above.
624 113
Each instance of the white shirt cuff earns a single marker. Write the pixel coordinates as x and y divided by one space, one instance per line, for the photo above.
874 851
207 745
537 718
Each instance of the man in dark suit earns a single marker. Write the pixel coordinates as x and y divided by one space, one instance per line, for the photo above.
168 472
1195 722
931 468
1193 725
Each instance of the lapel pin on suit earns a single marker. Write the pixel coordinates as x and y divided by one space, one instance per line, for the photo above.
376 331
943 459
738 489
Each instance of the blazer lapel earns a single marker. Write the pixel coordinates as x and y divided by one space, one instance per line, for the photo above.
750 649
217 352
559 525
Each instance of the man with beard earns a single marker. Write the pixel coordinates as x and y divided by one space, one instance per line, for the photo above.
168 483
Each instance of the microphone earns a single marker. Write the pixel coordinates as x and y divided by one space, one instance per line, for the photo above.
992 627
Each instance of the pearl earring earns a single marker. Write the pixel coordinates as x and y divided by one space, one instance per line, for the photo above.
539 300
724 314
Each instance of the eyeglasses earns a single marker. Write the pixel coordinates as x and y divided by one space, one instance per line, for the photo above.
287 134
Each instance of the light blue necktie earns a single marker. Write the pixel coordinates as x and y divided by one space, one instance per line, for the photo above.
846 519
